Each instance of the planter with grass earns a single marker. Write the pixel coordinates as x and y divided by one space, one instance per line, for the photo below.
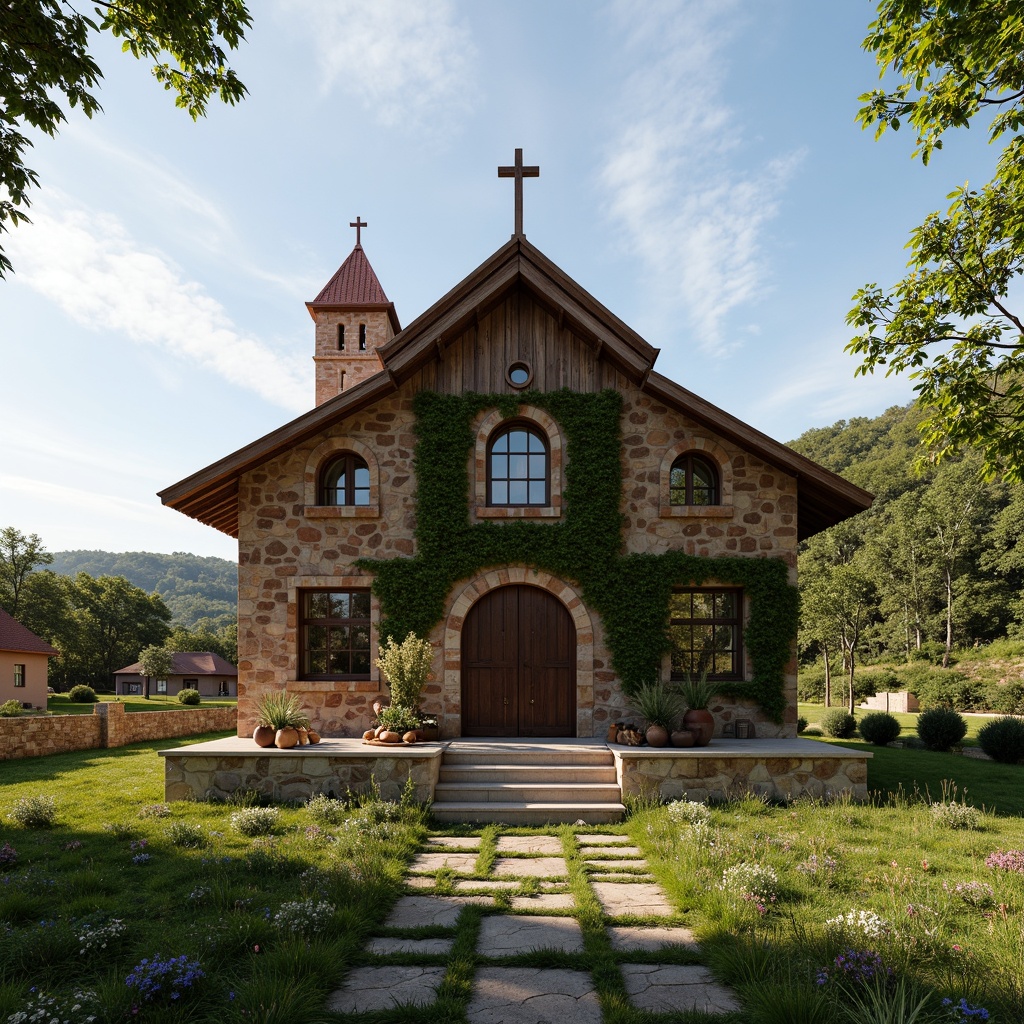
696 695
396 724
279 718
661 708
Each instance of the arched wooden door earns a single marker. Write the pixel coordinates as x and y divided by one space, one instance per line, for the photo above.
518 665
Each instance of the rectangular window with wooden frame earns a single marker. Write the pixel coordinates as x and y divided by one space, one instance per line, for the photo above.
19 675
706 631
161 686
335 634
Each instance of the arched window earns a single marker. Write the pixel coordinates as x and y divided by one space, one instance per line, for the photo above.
345 481
694 481
517 466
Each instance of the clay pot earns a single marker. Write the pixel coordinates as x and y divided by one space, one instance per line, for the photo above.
314 737
377 705
428 733
702 724
389 737
263 735
370 734
613 732
286 737
303 737
682 738
657 736
378 731
410 736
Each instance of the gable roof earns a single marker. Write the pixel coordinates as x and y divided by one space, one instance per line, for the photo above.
16 637
190 663
211 494
354 286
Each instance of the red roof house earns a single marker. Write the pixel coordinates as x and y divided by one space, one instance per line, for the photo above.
24 662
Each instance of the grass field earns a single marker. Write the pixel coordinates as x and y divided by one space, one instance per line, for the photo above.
274 922
813 713
58 703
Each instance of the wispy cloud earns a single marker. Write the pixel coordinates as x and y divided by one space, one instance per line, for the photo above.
408 62
87 264
694 219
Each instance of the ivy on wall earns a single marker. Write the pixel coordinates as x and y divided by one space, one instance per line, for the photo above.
630 592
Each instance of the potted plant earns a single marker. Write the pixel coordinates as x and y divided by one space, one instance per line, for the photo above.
660 707
279 717
696 695
396 721
406 666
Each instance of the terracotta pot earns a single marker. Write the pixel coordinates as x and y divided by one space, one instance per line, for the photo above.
410 736
613 732
682 738
657 736
303 737
264 735
314 737
428 733
286 737
702 724
387 736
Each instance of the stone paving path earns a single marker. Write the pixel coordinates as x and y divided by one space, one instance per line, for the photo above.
527 908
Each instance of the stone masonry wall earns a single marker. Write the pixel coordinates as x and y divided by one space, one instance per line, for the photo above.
356 365
107 726
287 543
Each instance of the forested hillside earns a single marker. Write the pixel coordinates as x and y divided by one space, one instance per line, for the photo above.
933 569
200 591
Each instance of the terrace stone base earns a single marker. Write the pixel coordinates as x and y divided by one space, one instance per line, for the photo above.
781 769
215 770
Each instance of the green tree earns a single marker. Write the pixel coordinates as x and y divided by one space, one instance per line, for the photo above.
223 641
19 557
156 662
45 55
951 321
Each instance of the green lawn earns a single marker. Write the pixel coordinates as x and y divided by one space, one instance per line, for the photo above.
58 703
813 713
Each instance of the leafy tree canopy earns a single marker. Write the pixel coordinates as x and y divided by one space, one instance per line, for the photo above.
19 557
951 322
45 56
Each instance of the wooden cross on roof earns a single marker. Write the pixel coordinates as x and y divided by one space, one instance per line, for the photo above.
518 171
358 224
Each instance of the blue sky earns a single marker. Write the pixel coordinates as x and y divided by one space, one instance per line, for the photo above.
702 175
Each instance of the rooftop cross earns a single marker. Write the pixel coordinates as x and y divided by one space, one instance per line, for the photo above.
518 171
358 224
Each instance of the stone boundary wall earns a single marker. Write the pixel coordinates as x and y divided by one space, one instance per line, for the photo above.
903 701
107 726
725 776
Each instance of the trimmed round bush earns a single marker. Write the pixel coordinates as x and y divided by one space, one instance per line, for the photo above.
10 709
82 694
838 724
1003 740
879 728
188 697
801 724
940 728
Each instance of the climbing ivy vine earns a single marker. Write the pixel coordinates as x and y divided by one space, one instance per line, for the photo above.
630 592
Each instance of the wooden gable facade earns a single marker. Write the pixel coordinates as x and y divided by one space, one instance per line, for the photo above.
520 650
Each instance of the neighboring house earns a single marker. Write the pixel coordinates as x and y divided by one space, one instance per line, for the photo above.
24 662
517 551
209 673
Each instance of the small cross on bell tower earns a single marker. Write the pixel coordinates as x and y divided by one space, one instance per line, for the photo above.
518 171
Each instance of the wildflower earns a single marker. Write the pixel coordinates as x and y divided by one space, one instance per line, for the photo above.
974 894
176 973
866 921
855 966
140 858
8 856
924 866
963 1012
1011 860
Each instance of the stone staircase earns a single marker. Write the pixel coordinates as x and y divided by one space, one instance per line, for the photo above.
527 782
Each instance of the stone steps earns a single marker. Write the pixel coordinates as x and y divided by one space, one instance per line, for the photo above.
527 782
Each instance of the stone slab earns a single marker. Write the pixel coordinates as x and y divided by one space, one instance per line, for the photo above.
617 865
382 946
544 901
507 935
608 851
642 899
456 842
420 911
530 844
531 867
630 937
462 862
485 885
420 882
670 989
533 995
602 840
380 988
620 877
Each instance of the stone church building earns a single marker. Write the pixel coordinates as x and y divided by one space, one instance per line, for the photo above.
534 637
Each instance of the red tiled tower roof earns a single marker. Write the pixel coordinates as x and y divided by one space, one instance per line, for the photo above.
16 637
354 286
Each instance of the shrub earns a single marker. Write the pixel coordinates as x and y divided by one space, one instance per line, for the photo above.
188 697
755 883
324 810
35 811
1008 860
687 811
1003 740
838 723
940 728
801 724
10 709
184 833
812 730
255 821
305 917
407 668
8 856
942 688
1006 698
82 694
956 815
879 728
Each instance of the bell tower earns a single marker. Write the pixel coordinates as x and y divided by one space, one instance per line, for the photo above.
353 319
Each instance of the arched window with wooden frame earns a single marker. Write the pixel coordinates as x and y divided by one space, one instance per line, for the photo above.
518 466
693 480
345 480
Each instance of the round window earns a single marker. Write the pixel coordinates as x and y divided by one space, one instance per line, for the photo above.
519 375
